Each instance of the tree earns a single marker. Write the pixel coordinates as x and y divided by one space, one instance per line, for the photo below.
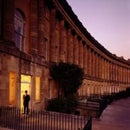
69 78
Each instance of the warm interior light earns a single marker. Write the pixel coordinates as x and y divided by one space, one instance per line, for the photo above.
12 88
25 85
37 96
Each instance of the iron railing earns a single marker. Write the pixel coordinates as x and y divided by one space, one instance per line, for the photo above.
12 117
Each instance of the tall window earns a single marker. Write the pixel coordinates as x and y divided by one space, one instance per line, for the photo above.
45 47
12 88
37 94
1 4
19 29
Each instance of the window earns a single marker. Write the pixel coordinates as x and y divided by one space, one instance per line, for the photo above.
19 29
12 88
1 17
45 47
37 94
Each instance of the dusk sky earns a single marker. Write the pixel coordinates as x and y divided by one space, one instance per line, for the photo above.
108 21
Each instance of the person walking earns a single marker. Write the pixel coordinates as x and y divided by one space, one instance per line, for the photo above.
26 99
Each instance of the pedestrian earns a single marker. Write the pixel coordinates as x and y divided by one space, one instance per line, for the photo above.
26 99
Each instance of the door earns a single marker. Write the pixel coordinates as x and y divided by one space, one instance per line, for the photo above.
25 85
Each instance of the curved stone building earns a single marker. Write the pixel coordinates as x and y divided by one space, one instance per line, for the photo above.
34 33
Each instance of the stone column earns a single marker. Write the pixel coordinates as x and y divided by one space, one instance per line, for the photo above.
110 71
52 36
118 73
58 46
75 50
62 41
34 27
81 54
108 64
116 79
70 47
125 75
128 76
121 74
65 44
113 72
41 38
100 67
105 69
8 20
97 64
95 67
85 59
92 62
88 58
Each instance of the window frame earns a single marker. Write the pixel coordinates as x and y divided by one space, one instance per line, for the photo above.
19 28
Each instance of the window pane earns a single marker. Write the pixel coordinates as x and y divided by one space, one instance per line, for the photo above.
19 27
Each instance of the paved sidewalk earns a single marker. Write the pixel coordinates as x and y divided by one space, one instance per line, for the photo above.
115 117
2 128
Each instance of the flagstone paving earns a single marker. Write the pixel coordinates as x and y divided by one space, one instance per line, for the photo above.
115 117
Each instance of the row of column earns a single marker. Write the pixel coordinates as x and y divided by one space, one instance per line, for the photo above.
100 89
64 44
67 46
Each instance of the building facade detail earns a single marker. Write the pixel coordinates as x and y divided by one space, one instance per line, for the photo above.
49 31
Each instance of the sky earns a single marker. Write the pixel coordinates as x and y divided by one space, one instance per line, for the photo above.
108 21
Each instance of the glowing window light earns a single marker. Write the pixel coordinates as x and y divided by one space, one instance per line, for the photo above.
37 94
12 88
25 79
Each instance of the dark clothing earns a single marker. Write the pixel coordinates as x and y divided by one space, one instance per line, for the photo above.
26 99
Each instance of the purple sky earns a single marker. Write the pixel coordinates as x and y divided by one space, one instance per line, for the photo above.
108 21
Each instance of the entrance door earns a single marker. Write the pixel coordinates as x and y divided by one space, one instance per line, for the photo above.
25 85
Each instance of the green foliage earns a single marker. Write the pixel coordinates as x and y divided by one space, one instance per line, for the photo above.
69 76
61 104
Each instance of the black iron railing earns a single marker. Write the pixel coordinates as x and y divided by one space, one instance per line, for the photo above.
12 117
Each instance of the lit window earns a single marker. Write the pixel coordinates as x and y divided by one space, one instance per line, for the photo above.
19 29
12 88
37 94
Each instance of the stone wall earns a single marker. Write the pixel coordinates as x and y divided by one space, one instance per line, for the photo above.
53 33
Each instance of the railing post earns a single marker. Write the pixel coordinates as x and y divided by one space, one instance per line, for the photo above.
88 126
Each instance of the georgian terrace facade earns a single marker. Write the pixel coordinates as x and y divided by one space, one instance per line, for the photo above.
34 33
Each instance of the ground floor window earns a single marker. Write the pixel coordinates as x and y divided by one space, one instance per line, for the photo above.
37 94
12 88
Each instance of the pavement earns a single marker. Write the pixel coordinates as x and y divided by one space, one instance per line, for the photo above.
115 117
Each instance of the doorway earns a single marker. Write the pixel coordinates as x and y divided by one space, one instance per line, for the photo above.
25 85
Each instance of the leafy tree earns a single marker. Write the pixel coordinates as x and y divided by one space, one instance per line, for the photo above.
68 76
